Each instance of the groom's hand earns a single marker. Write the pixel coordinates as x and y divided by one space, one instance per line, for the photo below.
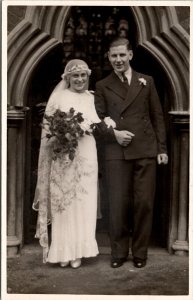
123 137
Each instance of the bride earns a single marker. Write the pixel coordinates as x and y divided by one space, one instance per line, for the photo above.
66 192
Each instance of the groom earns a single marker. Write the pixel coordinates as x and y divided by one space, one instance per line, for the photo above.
133 145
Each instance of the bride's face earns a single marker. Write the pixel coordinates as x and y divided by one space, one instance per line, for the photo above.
78 81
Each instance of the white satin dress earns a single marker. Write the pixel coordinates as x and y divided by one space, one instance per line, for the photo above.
74 188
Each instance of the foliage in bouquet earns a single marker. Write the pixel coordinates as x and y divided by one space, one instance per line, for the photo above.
66 128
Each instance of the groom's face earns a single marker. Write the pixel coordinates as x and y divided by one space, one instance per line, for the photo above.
119 57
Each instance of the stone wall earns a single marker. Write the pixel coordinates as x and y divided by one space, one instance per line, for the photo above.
15 15
183 13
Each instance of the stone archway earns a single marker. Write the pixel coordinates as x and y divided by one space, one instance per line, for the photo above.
42 30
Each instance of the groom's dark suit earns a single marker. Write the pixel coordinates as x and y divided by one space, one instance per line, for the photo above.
131 170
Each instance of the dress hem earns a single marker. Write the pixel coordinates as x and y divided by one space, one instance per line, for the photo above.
84 256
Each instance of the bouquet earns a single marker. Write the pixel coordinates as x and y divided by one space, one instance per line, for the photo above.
66 128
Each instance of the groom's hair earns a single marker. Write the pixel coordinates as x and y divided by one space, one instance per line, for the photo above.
119 41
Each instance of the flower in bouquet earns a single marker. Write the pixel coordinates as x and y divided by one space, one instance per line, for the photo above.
66 128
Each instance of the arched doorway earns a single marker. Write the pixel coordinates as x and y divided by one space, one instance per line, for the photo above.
86 30
44 51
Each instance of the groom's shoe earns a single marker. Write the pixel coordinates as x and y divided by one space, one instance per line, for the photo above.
117 262
139 262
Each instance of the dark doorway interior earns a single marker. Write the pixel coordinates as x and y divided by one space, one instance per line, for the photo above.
87 35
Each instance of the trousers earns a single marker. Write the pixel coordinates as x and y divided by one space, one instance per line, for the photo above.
131 192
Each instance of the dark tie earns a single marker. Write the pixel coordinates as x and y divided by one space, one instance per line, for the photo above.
125 80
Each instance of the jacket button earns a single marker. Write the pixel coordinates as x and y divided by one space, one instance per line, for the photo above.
122 118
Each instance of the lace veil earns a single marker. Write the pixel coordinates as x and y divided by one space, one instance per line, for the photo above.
42 201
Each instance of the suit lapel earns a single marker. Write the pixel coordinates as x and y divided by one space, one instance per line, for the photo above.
116 86
133 90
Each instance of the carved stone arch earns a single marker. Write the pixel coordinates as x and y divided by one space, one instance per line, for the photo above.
40 31
43 28
162 36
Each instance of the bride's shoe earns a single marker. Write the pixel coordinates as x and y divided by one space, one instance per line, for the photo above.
64 264
75 263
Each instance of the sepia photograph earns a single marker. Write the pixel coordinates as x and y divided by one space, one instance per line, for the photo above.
96 150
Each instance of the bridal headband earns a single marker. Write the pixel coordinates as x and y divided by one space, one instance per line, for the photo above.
75 65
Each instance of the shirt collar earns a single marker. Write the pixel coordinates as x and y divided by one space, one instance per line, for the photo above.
128 74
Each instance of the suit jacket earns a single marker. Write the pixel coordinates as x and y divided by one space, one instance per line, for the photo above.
135 108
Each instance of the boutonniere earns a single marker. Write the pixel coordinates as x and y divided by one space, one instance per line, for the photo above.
143 81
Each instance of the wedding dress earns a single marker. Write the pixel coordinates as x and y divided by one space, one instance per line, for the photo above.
66 194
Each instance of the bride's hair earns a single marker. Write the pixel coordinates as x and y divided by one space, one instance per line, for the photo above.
75 65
